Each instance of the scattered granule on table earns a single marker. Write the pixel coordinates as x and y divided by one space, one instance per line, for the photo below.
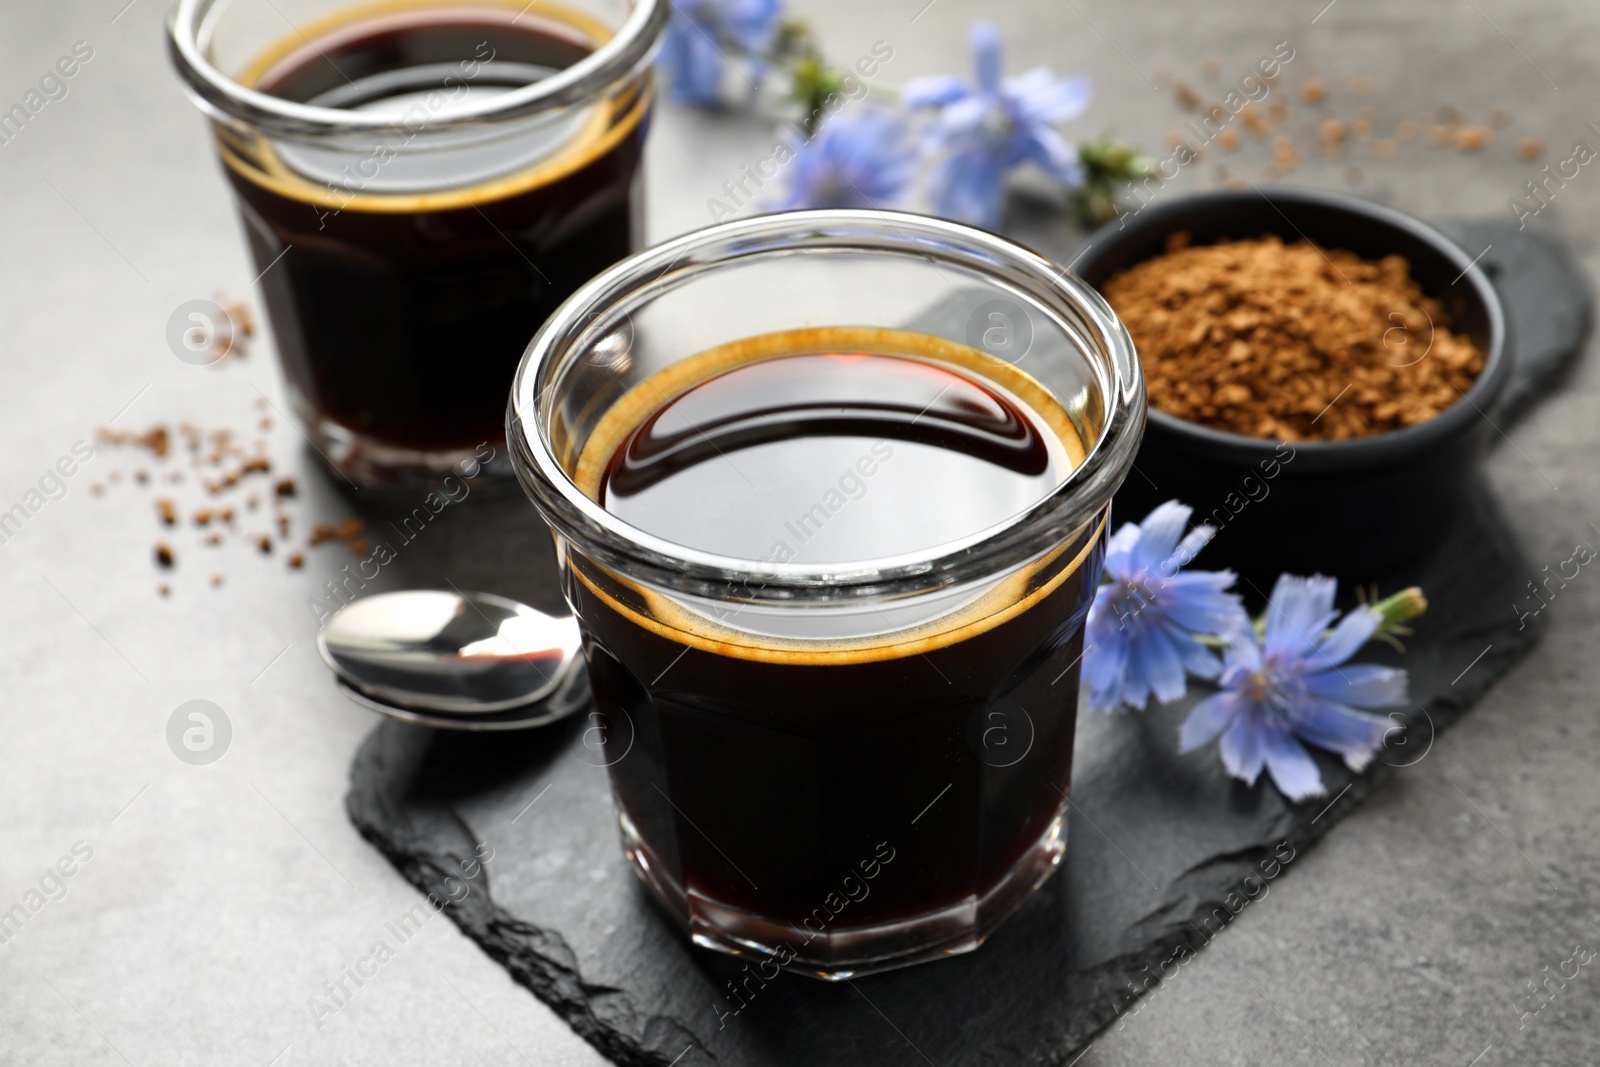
233 333
1250 116
1472 138
1285 156
1499 117
1290 342
1314 91
1332 133
1228 139
155 440
1530 148
224 461
243 320
347 530
1210 66
1185 96
296 561
1386 148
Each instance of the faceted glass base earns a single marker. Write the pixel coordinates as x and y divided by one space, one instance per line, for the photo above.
373 464
849 951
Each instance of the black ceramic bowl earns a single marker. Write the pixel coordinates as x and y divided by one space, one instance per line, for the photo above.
1357 510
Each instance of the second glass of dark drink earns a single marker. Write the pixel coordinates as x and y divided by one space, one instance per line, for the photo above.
421 182
830 492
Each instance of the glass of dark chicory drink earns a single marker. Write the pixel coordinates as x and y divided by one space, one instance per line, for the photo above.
830 494
421 182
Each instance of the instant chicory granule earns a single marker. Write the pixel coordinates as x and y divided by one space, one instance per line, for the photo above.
1290 342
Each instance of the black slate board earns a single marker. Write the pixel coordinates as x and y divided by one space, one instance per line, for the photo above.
1547 298
1160 845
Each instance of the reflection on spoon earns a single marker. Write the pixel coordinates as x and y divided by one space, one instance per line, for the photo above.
467 661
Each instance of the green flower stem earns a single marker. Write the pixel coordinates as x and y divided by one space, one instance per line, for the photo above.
1109 167
1395 611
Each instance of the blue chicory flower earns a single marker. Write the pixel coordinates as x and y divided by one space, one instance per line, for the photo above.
704 37
1293 688
855 159
984 131
1142 624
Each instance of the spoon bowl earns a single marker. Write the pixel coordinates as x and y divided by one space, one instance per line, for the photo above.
460 656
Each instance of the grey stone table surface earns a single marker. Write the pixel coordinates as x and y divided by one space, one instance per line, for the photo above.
208 904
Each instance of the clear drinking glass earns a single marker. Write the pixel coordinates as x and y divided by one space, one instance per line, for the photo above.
421 182
842 758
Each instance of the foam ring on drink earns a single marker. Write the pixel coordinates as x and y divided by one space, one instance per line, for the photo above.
552 155
1010 596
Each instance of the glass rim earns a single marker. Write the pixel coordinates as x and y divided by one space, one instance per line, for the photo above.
636 554
192 22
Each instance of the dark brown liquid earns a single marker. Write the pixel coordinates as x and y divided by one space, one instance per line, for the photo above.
924 455
400 316
790 763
